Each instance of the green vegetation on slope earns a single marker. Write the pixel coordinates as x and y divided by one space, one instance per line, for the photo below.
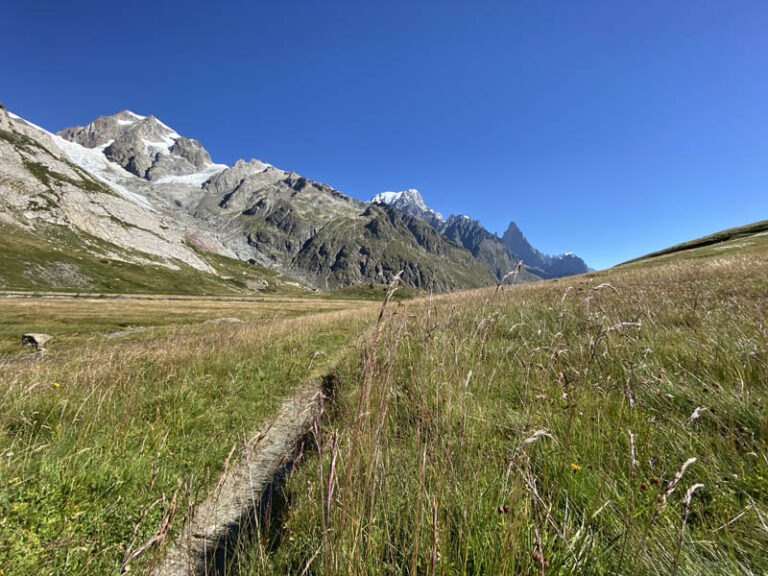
379 243
57 258
108 436
749 239
547 428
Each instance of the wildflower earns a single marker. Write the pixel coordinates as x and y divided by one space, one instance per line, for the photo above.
644 486
56 384
575 467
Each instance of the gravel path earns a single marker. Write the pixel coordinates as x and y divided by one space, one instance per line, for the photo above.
208 538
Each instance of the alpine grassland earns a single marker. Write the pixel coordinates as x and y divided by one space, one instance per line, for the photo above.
109 439
612 423
609 423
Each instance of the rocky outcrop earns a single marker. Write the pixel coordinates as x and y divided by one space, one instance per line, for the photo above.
142 145
101 131
36 340
483 245
5 122
130 152
192 151
539 263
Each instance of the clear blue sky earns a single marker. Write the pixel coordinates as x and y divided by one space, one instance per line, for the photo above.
608 128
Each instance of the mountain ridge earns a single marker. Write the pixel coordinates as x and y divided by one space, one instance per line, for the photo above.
500 254
174 202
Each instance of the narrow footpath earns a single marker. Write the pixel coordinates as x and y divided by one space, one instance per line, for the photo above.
208 538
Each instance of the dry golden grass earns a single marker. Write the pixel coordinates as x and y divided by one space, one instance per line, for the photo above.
549 429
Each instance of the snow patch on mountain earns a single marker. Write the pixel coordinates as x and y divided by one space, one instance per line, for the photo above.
410 202
386 197
92 160
196 178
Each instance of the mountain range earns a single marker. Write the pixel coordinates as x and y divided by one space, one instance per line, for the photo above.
129 189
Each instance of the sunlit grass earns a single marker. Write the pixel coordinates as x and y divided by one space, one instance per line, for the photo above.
546 429
103 438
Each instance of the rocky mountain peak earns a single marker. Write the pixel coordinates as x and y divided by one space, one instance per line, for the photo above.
547 266
410 202
142 145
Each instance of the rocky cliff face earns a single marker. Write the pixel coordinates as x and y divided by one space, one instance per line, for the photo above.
483 245
539 263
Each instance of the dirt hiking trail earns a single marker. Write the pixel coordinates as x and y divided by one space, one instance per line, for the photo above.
210 535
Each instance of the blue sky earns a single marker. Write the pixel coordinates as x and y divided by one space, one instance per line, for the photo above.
606 128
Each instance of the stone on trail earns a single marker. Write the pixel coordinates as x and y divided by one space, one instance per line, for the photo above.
37 341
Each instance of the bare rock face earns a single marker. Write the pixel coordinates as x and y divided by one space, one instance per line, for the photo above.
254 170
129 152
483 245
192 151
142 145
102 130
168 165
5 123
543 264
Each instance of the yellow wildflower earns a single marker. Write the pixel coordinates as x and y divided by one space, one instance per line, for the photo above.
56 384
575 467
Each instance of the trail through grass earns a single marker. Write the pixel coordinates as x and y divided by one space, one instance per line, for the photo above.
105 443
608 424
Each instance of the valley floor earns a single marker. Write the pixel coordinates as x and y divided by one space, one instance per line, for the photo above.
613 423
128 419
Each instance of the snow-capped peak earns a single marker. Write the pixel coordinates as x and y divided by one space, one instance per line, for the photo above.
408 201
386 198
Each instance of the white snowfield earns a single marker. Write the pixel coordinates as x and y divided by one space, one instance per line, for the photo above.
94 162
194 179
387 197
109 173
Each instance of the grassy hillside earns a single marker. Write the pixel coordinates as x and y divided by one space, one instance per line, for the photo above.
613 423
751 239
60 259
